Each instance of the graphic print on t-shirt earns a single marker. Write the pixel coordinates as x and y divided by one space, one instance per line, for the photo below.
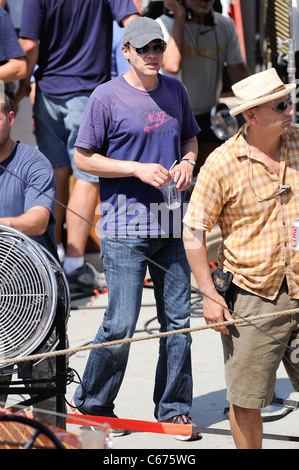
153 119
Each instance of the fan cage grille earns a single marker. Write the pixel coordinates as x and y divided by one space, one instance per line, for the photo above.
28 295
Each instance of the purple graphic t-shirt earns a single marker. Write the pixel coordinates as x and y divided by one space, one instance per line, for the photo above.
125 123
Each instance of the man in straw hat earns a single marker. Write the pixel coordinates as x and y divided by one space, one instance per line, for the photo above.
249 186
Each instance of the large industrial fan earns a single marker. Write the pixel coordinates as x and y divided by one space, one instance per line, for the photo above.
34 301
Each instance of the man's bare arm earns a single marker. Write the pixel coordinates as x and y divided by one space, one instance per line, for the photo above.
214 306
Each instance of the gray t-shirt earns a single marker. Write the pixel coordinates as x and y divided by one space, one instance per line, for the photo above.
207 49
27 180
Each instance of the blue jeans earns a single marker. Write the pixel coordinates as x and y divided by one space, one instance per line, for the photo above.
125 271
57 124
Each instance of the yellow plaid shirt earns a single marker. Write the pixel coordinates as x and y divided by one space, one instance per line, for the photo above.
256 233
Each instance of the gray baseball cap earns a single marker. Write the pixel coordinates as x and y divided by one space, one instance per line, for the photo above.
141 31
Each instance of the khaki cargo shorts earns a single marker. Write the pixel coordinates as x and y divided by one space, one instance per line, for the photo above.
252 357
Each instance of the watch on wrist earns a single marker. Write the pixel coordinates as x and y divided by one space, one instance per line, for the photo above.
189 160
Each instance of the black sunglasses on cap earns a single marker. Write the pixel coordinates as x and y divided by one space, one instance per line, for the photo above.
159 48
281 106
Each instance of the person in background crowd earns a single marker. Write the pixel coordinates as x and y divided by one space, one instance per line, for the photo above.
119 64
70 41
12 58
200 42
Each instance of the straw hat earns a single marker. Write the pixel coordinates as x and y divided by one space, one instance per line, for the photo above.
259 88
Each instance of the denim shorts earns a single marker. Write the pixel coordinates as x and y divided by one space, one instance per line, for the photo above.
252 357
57 123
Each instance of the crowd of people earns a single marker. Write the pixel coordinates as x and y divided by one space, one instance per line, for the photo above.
126 138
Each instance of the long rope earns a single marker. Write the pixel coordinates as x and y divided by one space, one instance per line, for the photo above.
62 352
149 260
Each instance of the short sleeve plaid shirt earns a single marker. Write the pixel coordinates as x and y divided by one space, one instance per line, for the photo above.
239 194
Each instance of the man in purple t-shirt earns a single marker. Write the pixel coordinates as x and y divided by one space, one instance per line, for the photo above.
135 128
70 41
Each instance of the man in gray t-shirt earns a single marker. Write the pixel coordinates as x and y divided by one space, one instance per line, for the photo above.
200 42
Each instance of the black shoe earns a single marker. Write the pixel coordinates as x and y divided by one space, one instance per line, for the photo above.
185 419
86 279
